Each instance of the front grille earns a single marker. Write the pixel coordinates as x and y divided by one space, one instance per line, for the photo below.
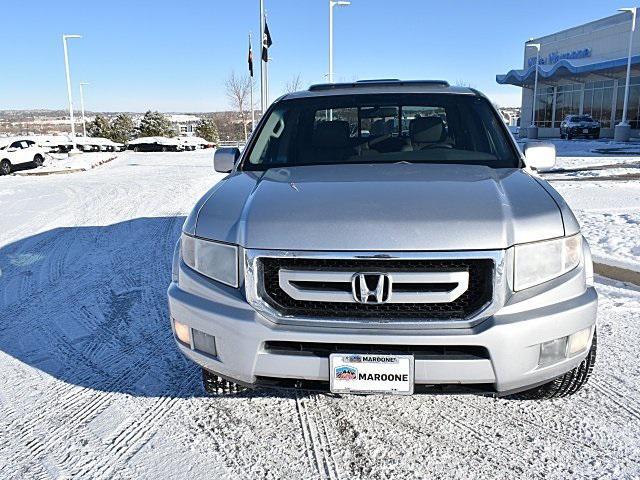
420 352
477 295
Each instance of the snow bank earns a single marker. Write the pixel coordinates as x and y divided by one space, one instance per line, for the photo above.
62 163
609 214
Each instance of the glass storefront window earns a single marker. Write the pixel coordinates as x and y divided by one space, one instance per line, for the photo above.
544 106
598 97
567 101
633 110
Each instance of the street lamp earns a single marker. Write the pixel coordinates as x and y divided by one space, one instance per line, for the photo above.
333 3
622 131
84 125
66 66
532 132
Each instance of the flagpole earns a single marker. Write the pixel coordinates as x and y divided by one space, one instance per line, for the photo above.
260 53
266 73
253 116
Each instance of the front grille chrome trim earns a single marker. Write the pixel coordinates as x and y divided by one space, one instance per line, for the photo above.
254 289
289 278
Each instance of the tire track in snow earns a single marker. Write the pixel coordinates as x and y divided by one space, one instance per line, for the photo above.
198 422
321 455
130 438
541 428
611 394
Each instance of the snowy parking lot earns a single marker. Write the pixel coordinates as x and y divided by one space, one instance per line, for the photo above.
92 385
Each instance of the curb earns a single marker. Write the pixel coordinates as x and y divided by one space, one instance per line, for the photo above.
617 273
63 172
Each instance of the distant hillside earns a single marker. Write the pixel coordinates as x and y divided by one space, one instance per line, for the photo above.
23 122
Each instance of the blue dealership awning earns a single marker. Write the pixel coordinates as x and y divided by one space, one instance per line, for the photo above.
563 68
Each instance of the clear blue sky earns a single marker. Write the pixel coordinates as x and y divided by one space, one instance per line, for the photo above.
175 56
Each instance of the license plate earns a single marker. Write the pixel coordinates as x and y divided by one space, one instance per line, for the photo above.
371 373
585 130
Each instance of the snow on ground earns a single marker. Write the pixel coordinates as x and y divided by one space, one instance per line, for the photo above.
579 153
92 386
609 214
607 208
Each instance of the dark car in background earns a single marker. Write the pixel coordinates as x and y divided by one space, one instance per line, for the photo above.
579 126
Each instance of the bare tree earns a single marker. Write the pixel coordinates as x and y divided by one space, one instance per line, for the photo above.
464 83
294 84
238 89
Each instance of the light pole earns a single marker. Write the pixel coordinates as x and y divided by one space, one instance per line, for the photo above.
622 131
66 66
84 125
532 131
333 3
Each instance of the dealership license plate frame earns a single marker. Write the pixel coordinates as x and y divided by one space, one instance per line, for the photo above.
336 358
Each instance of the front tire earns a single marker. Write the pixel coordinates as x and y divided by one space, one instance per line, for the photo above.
5 167
564 385
38 160
215 385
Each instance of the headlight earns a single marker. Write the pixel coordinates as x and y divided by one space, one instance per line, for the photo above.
215 260
539 262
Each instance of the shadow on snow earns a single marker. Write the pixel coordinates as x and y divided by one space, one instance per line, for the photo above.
87 305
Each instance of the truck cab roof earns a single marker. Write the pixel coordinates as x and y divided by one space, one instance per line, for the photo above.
380 86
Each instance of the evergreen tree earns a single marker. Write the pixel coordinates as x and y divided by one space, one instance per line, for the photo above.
123 128
155 124
206 128
99 127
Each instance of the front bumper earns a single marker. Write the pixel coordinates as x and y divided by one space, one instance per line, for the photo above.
583 131
511 335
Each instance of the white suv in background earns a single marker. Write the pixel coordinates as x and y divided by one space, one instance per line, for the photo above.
19 151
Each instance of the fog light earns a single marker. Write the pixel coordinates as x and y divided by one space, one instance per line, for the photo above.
552 352
204 342
182 332
578 341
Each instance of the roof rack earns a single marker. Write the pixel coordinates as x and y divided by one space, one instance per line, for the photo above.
391 82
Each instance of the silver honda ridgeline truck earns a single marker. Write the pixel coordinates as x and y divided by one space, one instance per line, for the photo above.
385 237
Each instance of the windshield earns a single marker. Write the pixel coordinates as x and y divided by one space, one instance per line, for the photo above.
416 128
581 118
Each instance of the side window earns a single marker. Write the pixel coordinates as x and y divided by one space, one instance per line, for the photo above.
16 145
274 143
26 144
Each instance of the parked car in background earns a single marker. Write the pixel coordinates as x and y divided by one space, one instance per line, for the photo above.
424 254
98 144
193 143
155 144
579 126
19 151
53 143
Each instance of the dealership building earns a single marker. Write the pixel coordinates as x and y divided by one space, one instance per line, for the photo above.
582 71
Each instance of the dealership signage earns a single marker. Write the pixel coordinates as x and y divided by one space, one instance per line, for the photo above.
555 57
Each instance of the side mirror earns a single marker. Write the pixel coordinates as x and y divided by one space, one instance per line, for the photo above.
225 159
540 155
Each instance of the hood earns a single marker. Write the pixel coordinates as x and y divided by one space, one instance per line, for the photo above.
379 207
